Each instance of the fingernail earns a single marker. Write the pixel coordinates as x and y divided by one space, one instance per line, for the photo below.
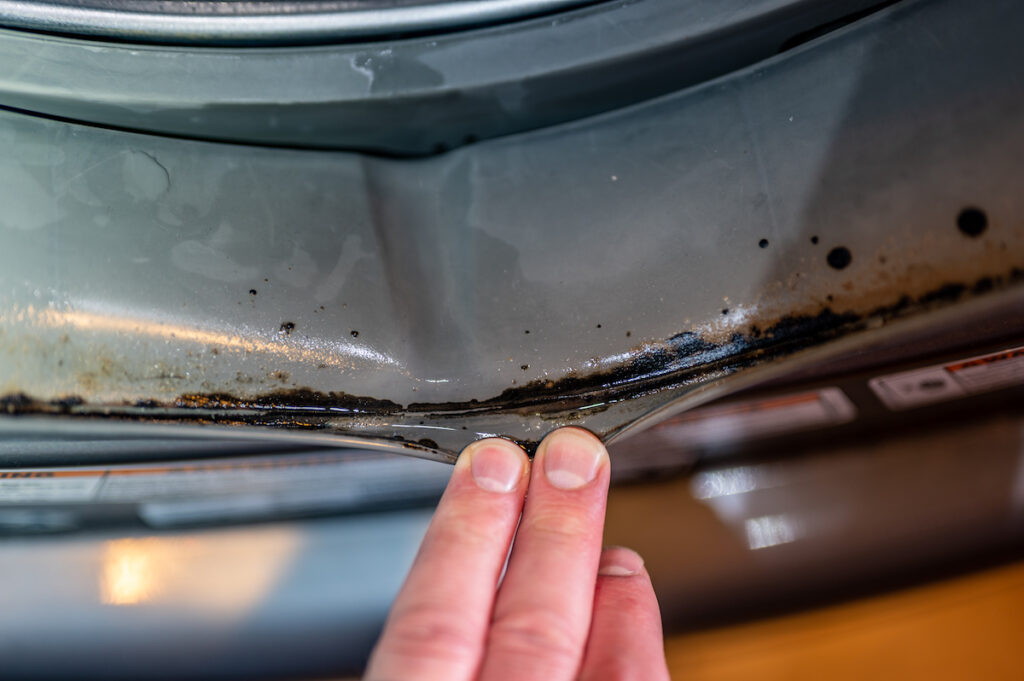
572 458
618 561
497 465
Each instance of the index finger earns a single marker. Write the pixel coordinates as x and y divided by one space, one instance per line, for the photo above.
438 624
542 614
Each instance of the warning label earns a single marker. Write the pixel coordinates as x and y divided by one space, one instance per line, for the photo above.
941 382
228 488
750 419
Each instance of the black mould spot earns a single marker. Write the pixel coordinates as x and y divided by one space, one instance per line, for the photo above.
287 327
763 243
527 331
725 310
321 307
266 280
814 240
355 334
524 367
983 285
599 326
839 257
947 293
830 298
252 292
972 222
427 442
68 402
628 334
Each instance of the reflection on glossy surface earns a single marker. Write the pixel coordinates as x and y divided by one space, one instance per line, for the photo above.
131 571
160 571
724 482
308 350
770 530
267 601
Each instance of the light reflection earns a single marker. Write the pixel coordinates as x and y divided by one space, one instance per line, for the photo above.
225 574
421 427
723 483
770 530
131 572
310 351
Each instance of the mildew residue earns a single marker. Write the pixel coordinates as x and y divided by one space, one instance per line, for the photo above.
839 257
972 222
685 358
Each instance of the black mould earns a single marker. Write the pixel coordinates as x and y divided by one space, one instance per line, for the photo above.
524 367
291 399
972 222
763 243
685 357
287 327
682 357
355 334
252 292
983 285
68 402
947 293
839 257
16 403
814 240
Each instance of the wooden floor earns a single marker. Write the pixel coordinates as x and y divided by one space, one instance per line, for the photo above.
965 629
970 628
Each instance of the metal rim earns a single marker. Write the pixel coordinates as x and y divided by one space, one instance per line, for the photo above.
263 25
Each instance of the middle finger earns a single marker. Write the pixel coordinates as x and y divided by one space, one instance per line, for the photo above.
542 613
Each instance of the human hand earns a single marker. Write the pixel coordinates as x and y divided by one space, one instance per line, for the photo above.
565 610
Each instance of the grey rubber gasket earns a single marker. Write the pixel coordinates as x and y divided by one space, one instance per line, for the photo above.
409 97
591 274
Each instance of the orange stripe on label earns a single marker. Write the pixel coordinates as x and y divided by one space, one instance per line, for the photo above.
988 359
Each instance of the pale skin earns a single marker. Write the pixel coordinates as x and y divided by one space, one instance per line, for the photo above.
565 610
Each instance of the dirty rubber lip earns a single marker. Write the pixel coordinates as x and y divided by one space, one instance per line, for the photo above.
306 412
